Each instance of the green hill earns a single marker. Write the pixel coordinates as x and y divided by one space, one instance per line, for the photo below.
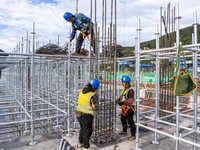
185 38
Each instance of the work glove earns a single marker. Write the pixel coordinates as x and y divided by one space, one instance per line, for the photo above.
118 101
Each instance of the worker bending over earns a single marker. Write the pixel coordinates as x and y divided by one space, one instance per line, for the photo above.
84 25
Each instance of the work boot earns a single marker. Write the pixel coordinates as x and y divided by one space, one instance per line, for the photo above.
84 52
122 133
75 54
131 138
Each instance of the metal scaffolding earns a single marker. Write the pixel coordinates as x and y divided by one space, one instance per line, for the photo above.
39 92
179 132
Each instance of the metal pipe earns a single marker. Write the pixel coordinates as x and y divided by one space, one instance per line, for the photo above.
177 97
22 45
138 84
14 122
33 142
65 91
168 123
68 91
26 80
195 75
169 135
169 48
188 133
189 142
57 89
157 88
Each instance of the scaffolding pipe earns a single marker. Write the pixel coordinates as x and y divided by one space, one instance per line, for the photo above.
138 84
68 90
195 75
169 135
169 48
157 98
177 97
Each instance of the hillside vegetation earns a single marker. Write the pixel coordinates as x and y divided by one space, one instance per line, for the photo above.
185 38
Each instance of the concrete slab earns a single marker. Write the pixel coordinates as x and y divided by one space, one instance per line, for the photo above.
51 142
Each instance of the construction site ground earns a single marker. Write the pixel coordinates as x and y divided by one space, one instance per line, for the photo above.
51 142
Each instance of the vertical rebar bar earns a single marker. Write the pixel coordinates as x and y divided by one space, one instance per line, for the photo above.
115 59
90 66
76 6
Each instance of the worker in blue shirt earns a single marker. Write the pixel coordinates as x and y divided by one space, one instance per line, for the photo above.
84 25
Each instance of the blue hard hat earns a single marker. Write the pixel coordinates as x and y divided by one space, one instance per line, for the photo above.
95 83
67 16
126 78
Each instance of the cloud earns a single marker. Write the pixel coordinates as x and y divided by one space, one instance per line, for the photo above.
16 17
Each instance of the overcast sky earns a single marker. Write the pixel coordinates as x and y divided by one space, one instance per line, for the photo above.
17 16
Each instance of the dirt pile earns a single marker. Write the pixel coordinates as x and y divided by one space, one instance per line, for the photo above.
51 49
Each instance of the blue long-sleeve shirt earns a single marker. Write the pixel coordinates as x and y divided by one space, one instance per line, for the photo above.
80 23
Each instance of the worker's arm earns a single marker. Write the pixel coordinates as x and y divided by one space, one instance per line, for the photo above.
119 101
94 102
72 36
130 97
86 20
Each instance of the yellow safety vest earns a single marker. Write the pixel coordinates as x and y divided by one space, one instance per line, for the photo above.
84 103
124 94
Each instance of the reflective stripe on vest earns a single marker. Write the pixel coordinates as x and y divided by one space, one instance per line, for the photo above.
125 110
75 26
124 94
84 103
80 22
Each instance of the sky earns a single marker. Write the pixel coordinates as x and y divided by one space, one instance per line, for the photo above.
17 17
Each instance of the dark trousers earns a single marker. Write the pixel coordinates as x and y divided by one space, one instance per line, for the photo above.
129 118
85 121
80 40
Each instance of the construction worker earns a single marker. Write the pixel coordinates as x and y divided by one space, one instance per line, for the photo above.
84 25
126 101
87 105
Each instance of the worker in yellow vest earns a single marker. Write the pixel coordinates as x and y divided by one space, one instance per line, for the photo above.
87 105
126 101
